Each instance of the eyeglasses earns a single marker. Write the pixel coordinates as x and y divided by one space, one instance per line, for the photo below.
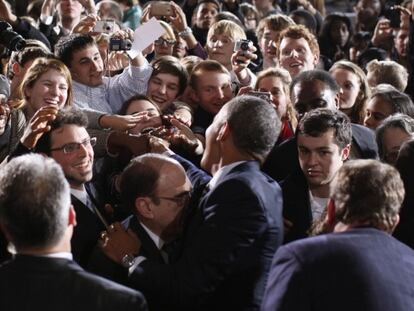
72 147
161 41
181 199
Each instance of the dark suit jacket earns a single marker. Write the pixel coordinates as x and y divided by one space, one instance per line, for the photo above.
41 283
283 159
296 206
102 265
360 269
88 228
228 245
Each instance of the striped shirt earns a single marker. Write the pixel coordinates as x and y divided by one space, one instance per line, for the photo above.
109 96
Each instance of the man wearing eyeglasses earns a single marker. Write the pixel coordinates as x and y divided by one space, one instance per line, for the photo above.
234 227
70 145
156 190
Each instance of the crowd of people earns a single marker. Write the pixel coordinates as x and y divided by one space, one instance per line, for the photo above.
256 156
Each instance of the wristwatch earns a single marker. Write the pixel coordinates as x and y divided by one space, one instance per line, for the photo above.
128 261
185 33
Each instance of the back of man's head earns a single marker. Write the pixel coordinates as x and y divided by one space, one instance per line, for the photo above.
254 125
34 202
368 192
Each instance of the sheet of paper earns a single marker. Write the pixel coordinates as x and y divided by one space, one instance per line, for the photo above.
145 35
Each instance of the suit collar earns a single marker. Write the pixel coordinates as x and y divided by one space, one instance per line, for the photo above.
223 171
44 263
227 170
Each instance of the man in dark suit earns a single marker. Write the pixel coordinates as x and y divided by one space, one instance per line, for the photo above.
70 145
358 267
310 90
324 142
38 219
155 189
233 230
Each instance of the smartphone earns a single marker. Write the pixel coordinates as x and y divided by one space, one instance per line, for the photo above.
161 8
393 15
105 26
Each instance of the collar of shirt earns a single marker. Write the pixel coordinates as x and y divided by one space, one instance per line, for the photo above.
222 172
65 255
81 195
318 205
155 238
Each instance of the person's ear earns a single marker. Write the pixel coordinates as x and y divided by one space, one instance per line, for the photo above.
395 219
337 99
16 69
315 60
223 132
143 207
346 152
193 95
72 216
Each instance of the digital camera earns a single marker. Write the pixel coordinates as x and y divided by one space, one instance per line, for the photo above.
116 44
243 45
104 26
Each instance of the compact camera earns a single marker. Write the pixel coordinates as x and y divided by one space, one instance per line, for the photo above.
104 26
116 44
161 8
243 45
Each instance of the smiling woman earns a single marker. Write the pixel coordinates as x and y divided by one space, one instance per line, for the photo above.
46 87
47 82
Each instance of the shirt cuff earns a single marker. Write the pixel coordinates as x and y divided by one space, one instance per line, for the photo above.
47 20
137 262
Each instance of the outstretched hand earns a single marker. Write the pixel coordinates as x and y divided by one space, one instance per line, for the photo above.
38 125
116 242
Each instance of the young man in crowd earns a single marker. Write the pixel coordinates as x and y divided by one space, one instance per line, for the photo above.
298 50
324 141
360 258
91 89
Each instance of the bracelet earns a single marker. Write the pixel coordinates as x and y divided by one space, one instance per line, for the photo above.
185 33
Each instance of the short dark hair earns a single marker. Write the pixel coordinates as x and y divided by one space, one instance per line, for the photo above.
68 45
399 101
26 55
171 65
398 121
140 178
203 66
254 125
34 201
318 121
64 116
368 191
200 2
316 74
129 101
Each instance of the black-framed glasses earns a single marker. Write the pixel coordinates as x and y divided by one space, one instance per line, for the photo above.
72 147
181 200
161 41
